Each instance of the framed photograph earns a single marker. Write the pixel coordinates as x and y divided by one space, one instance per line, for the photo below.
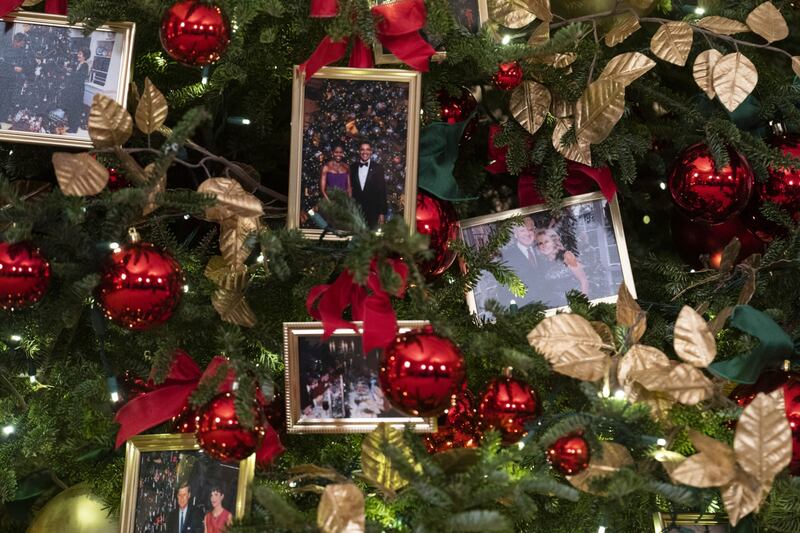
356 130
469 13
682 522
332 386
581 247
49 72
171 485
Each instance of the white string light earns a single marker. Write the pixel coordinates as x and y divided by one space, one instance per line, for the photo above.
8 430
506 39
15 338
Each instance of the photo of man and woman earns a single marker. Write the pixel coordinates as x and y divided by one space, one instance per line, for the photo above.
552 253
49 75
184 492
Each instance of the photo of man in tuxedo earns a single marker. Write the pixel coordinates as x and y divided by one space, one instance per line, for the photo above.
520 255
186 518
369 185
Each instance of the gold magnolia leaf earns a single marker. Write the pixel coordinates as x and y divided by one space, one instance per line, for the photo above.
560 108
233 236
599 109
694 342
510 13
683 383
157 186
796 65
749 287
604 331
377 467
763 439
29 3
729 255
530 103
225 276
540 35
580 151
703 69
232 307
561 60
540 8
722 25
630 315
341 509
741 496
110 124
767 21
639 357
571 346
624 26
152 109
718 322
232 200
627 68
672 42
615 456
734 77
703 471
669 460
79 174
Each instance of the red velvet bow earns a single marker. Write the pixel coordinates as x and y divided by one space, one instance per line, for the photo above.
397 29
57 7
375 310
166 401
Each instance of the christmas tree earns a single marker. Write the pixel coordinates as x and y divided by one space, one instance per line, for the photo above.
614 346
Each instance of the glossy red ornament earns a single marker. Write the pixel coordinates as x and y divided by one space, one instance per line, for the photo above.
706 193
116 181
783 186
507 406
439 221
421 371
457 427
220 433
140 286
459 108
186 421
569 455
24 275
695 239
508 76
195 32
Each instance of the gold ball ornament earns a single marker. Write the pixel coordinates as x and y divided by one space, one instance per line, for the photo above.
74 510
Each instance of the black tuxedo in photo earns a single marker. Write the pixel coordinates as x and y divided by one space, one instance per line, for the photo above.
527 270
192 523
372 198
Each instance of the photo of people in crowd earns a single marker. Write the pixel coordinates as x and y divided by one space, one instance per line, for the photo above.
357 138
49 75
184 492
552 254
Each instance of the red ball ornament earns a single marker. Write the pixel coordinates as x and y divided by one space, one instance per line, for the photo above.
704 192
439 221
458 108
507 406
508 76
140 286
220 433
695 239
421 371
569 455
186 421
24 275
195 32
456 428
116 181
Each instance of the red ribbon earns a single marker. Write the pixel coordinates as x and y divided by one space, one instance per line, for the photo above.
328 302
397 29
57 7
166 401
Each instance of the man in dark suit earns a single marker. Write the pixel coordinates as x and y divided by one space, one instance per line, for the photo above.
520 255
186 518
369 186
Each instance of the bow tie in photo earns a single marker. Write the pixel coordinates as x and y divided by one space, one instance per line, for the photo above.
362 164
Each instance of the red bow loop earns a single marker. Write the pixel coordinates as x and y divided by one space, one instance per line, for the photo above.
324 8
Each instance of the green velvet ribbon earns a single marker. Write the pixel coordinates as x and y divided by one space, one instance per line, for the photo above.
775 346
438 151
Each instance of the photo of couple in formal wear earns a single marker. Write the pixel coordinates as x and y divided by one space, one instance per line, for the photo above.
575 248
184 492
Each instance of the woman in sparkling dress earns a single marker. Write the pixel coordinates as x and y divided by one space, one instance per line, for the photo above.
335 174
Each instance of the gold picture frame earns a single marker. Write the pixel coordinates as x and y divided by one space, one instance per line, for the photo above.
138 447
108 72
345 341
302 183
702 523
382 57
549 273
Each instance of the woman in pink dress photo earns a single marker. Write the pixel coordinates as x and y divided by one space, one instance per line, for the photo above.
218 518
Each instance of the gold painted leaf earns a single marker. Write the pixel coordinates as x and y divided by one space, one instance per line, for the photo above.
672 42
377 467
604 331
510 13
232 200
615 456
669 460
599 109
561 60
741 496
29 3
232 307
722 25
157 186
152 109
630 315
703 69
341 509
560 108
571 346
716 325
530 103
702 471
225 276
79 174
694 342
767 21
639 357
110 124
580 152
734 77
540 35
749 287
763 439
624 26
233 234
540 8
627 68
729 255
683 383
796 65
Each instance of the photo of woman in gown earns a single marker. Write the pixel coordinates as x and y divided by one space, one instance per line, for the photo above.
335 174
218 518
563 272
